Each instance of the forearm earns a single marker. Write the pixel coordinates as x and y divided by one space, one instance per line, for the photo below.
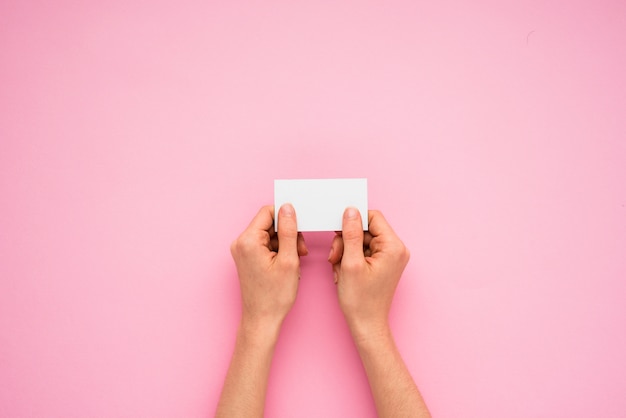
393 388
245 386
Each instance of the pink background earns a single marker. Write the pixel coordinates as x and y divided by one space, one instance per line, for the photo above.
137 140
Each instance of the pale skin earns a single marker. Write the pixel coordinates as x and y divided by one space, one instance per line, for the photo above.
367 267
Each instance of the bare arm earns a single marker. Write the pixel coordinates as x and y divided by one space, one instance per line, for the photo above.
367 267
268 278
394 390
244 390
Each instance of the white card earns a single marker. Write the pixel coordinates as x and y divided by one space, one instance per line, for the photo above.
320 203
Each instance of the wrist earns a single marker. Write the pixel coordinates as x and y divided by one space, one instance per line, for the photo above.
259 332
367 332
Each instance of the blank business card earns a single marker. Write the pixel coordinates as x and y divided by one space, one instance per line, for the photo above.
320 203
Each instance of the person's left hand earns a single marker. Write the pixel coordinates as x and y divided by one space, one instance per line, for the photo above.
268 265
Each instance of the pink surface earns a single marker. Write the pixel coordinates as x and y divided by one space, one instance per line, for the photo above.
138 139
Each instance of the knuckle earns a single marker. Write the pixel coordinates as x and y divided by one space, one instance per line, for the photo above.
405 254
349 265
374 214
289 263
244 244
397 251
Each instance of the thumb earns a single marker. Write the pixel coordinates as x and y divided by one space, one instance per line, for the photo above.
352 234
287 231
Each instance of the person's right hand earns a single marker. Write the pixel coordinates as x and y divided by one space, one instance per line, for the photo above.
367 267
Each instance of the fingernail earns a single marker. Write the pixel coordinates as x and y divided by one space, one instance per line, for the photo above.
287 209
330 254
351 213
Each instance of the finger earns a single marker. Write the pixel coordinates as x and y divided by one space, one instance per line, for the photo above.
383 236
367 238
274 244
336 250
287 232
352 235
302 249
263 220
378 225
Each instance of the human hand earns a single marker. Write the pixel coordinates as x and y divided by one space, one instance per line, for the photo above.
367 267
268 275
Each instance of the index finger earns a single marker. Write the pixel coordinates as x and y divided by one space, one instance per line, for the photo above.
378 225
263 220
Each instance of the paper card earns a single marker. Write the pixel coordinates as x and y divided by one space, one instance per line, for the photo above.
320 203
